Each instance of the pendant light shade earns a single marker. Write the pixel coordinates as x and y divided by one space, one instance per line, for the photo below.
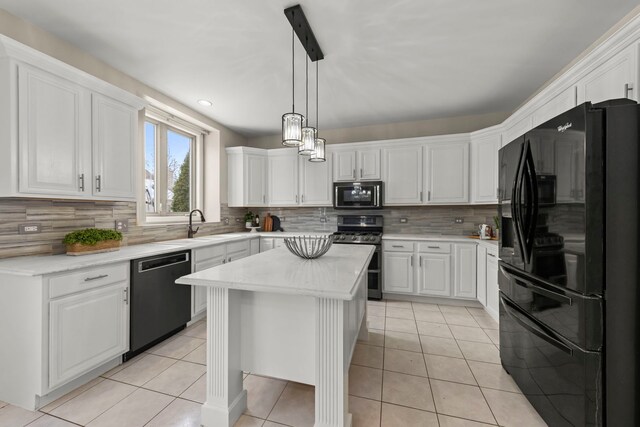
308 141
292 124
318 154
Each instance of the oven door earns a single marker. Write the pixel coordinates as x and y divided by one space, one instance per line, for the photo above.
357 195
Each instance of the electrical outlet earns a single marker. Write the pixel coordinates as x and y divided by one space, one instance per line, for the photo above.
283 218
122 225
238 219
403 220
225 220
323 219
29 228
459 220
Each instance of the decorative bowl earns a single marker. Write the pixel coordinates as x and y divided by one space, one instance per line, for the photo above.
308 247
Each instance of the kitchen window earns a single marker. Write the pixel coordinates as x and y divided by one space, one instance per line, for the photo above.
172 168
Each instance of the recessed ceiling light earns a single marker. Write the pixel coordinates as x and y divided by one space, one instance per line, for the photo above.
205 102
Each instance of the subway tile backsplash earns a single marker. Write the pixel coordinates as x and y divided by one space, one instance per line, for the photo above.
59 217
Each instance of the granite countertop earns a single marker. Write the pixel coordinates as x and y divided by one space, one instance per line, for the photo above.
437 238
334 275
40 265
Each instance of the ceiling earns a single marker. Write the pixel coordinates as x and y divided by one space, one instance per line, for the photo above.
385 61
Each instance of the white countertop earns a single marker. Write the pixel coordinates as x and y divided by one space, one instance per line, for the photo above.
438 238
334 275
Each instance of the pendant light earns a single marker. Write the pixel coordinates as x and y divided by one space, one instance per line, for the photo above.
318 152
309 133
293 122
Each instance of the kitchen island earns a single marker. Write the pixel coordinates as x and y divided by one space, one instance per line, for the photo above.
278 315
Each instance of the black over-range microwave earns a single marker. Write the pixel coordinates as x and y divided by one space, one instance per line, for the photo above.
357 195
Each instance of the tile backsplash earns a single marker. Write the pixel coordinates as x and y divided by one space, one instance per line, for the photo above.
420 219
59 217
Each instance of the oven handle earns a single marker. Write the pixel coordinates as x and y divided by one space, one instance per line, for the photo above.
530 325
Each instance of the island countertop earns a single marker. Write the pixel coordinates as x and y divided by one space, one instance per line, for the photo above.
334 275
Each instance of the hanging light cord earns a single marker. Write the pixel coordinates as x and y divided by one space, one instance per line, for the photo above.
293 74
306 71
317 122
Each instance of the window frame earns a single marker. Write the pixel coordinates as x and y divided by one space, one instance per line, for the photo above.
164 123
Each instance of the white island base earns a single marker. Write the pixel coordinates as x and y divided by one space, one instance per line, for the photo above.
304 330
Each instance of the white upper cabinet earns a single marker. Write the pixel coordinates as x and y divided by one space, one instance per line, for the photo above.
446 172
315 182
356 165
402 175
64 133
247 176
283 177
256 180
616 78
562 102
54 132
484 166
114 148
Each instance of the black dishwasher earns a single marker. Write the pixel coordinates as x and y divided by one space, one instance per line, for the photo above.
158 306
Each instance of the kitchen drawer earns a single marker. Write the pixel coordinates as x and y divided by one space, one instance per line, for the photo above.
82 280
434 247
397 246
492 251
209 252
237 247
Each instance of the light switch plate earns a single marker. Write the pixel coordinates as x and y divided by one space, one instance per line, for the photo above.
33 228
122 225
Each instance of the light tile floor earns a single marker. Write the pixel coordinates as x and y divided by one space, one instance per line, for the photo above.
424 365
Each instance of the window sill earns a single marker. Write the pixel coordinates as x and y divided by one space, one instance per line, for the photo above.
165 220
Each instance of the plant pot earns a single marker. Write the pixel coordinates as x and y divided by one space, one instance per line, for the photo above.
104 246
248 224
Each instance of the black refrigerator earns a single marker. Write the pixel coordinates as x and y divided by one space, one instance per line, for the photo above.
568 278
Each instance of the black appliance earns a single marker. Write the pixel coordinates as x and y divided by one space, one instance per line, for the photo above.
569 294
357 195
364 229
159 307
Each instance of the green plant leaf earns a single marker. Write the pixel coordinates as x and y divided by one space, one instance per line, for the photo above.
91 236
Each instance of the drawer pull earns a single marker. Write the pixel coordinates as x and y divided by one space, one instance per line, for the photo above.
433 247
101 276
397 246
491 255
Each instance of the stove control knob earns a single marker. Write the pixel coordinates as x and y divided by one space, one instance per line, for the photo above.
366 238
354 238
341 237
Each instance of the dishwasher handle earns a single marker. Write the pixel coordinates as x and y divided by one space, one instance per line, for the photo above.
162 261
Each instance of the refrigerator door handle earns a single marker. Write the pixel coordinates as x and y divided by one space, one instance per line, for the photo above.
515 205
531 212
530 325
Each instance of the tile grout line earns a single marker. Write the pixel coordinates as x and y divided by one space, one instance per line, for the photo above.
426 369
162 410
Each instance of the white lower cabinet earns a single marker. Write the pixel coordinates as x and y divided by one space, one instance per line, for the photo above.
493 305
268 243
86 329
398 272
465 271
212 256
434 274
481 276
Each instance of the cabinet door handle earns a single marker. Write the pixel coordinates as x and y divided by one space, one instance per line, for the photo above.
411 260
296 198
429 196
420 261
628 88
98 183
497 193
421 196
354 174
126 296
397 246
101 276
303 198
229 259
433 247
360 173
264 199
81 179
224 261
491 255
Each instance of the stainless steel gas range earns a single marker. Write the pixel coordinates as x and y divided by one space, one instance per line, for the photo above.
367 230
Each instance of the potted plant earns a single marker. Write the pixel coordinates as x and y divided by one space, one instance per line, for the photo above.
248 219
91 241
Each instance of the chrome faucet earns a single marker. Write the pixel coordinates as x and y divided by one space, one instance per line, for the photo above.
191 231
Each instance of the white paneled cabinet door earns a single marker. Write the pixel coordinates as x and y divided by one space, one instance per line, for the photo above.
447 172
315 182
283 178
255 180
434 277
54 135
402 175
344 166
481 281
114 148
492 283
616 78
369 164
398 272
465 271
86 329
484 163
